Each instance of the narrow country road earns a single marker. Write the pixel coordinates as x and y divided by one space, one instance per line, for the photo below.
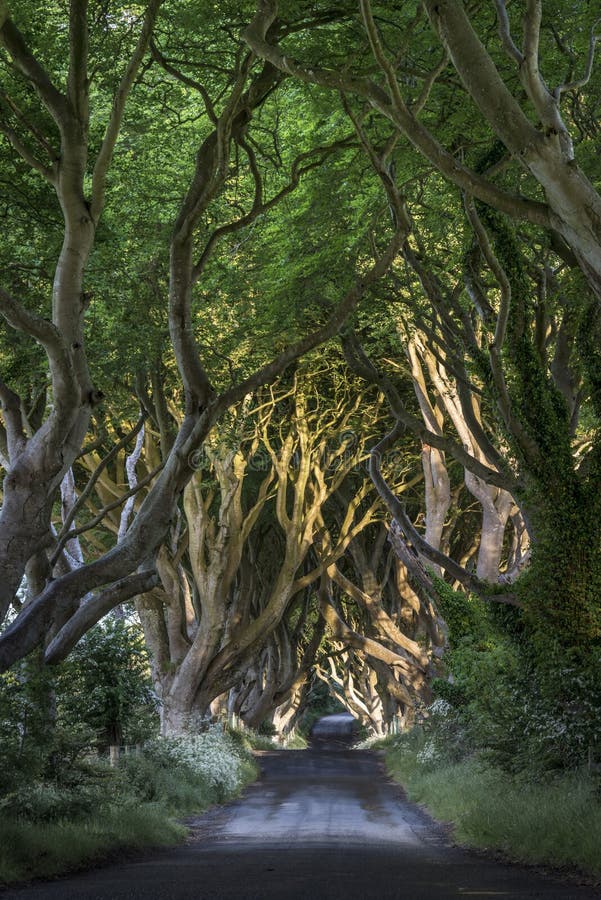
321 823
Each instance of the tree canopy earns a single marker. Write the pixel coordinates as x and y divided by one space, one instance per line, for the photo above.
301 345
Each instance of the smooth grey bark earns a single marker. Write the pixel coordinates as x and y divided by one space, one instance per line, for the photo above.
496 504
436 477
573 207
53 607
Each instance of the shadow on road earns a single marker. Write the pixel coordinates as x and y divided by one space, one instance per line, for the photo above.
323 823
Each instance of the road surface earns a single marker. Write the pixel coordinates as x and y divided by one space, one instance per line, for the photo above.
321 823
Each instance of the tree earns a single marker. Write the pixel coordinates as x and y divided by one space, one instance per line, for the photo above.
40 460
105 684
226 606
544 149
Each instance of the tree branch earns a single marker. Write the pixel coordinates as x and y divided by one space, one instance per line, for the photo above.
398 113
116 116
505 33
362 365
397 510
16 437
12 40
97 519
270 371
90 485
588 71
260 207
25 153
94 609
77 77
185 79
41 329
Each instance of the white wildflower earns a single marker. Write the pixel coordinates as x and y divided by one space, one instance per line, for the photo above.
428 753
212 754
440 707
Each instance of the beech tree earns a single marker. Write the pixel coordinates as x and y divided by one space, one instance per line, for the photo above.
276 683
391 635
38 460
59 154
244 571
534 131
514 376
194 206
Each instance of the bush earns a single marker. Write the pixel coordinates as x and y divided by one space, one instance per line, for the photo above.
42 802
297 741
248 740
519 718
187 771
52 826
215 757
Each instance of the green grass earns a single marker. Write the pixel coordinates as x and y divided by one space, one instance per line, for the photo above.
297 741
556 822
252 740
139 805
33 849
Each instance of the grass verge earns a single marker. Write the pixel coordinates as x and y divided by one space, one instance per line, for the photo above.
297 741
556 822
47 830
37 850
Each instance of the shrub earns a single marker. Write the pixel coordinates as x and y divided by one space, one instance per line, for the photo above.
193 769
50 826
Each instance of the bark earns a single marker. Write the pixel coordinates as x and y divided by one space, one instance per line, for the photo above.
436 477
573 205
496 504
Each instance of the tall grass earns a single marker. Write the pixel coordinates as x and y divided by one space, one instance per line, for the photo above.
47 829
34 849
556 821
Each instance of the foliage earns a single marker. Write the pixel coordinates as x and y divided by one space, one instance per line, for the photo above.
50 718
61 804
464 614
561 587
105 684
211 757
297 741
249 740
555 821
51 826
523 685
503 708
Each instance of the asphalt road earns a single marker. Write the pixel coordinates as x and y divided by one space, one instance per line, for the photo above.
321 823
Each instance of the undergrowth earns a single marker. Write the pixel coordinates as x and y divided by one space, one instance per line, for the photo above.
53 826
552 820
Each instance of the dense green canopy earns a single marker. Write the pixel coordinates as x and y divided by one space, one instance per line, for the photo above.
300 350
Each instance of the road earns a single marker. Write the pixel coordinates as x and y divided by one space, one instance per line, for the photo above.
321 823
